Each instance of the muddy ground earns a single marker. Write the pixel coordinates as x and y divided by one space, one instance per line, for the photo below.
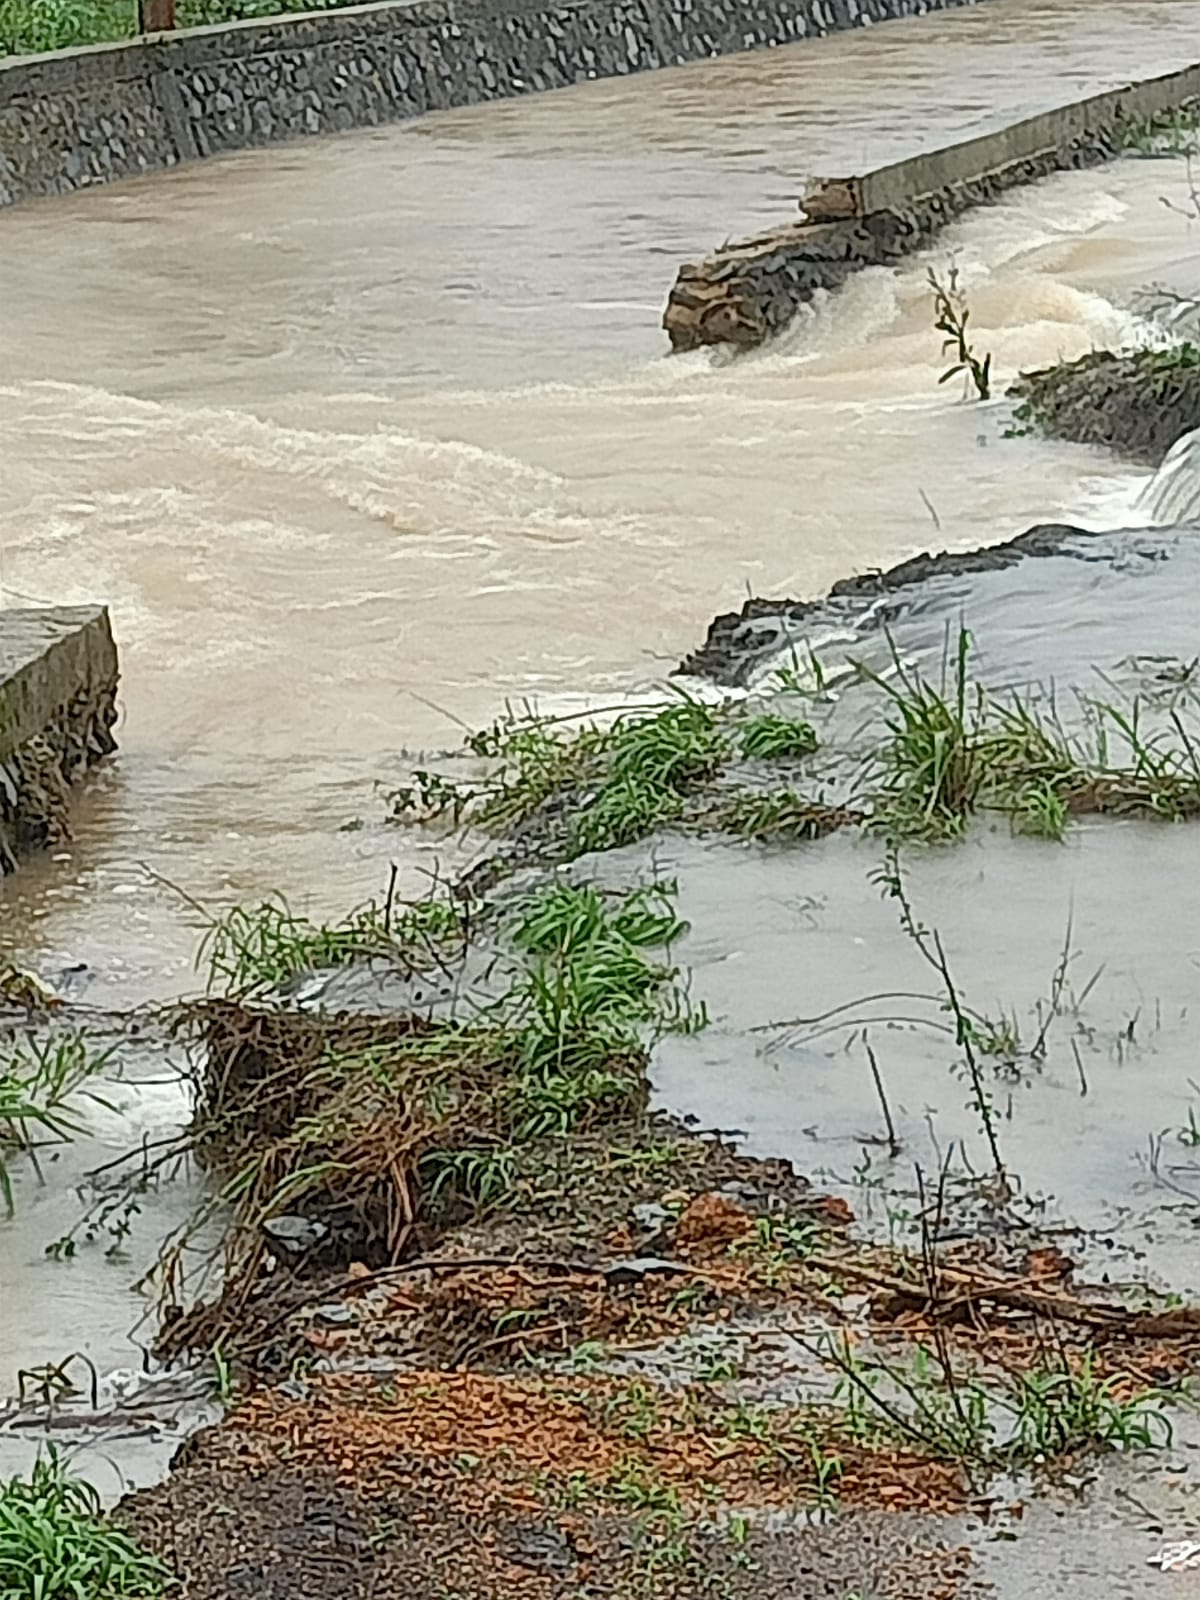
622 1384
642 1416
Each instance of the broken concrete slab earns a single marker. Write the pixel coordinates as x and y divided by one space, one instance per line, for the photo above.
58 684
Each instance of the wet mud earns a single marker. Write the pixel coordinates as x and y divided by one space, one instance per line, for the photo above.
231 1527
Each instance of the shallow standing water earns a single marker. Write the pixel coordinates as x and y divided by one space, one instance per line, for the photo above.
362 436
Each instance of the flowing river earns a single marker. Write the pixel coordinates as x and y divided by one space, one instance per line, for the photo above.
361 437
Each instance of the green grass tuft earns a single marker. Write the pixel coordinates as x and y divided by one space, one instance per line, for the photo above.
252 949
775 738
39 1080
932 771
954 751
55 1543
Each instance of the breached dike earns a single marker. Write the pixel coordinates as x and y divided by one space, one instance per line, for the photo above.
58 685
741 644
748 291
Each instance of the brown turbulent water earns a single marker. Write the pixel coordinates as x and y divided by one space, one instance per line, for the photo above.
363 436
350 427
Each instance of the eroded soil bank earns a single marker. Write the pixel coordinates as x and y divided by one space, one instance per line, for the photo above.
1138 404
489 1322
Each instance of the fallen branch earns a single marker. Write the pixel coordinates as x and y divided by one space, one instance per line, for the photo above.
961 1289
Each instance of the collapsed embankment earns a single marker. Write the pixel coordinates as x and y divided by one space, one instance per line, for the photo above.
78 118
471 1292
748 291
473 1283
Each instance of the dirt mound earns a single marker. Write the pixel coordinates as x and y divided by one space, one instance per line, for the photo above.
434 1484
712 1221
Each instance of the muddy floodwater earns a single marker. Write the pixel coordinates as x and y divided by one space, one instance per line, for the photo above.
805 940
362 438
365 435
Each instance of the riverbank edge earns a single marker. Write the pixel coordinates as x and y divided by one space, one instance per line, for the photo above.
1136 404
747 292
737 642
58 685
73 119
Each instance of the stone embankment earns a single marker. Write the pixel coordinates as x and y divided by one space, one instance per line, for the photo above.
84 117
58 684
746 292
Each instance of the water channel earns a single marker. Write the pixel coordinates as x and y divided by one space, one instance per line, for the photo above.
361 437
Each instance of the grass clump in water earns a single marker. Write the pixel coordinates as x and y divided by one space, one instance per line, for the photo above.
589 999
252 949
598 788
55 1543
779 815
954 750
932 768
1015 1421
39 1080
774 738
1064 1410
652 764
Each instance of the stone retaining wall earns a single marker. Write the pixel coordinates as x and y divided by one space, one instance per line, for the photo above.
58 685
746 292
89 116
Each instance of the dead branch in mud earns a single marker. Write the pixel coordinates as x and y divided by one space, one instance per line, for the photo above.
957 1291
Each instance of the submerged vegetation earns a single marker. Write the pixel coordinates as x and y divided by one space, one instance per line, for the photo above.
41 1080
950 750
575 788
955 750
252 949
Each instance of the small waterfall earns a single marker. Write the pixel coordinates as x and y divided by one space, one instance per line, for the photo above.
1173 494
